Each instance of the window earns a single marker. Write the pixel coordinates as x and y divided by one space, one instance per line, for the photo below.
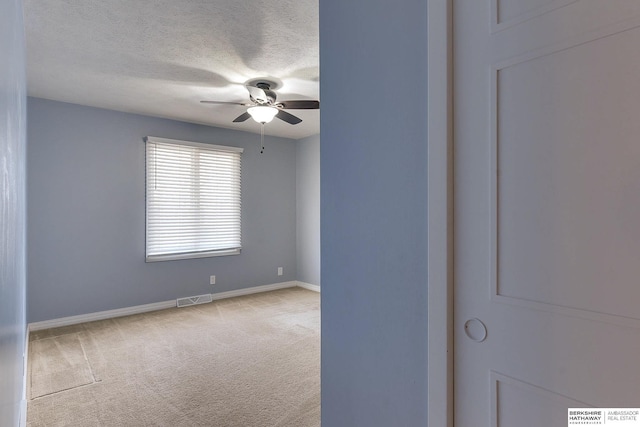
193 199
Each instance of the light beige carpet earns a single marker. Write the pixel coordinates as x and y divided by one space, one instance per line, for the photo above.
247 361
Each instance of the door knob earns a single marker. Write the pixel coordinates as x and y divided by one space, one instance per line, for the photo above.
475 330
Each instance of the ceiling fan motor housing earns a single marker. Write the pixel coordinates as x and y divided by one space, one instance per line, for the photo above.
268 93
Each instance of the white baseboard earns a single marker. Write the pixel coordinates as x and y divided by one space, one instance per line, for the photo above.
25 379
100 315
309 286
127 311
23 413
253 290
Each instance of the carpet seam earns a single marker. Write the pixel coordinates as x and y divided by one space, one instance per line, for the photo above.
84 353
62 391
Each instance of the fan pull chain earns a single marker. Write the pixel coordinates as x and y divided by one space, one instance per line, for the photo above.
262 138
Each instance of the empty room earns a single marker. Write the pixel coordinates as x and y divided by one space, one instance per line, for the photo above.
173 234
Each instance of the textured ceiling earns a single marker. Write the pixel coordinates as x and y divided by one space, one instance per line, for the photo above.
161 57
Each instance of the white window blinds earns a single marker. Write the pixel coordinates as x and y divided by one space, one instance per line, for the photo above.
193 199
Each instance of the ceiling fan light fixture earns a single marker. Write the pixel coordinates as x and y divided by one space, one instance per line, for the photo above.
262 114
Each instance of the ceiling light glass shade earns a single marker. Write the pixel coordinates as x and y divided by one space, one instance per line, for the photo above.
262 114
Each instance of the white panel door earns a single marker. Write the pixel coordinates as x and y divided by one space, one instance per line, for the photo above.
546 209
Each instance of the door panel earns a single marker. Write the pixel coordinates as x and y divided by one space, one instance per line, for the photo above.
517 403
547 208
568 187
510 12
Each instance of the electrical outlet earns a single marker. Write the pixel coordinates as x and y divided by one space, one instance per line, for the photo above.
279 271
212 280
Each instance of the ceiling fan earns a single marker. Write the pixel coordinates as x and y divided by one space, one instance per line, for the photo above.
264 106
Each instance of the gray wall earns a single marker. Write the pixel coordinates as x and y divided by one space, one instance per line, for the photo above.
373 161
308 209
86 216
12 211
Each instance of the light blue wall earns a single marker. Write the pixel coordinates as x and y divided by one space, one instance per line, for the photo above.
373 61
12 211
308 209
86 216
